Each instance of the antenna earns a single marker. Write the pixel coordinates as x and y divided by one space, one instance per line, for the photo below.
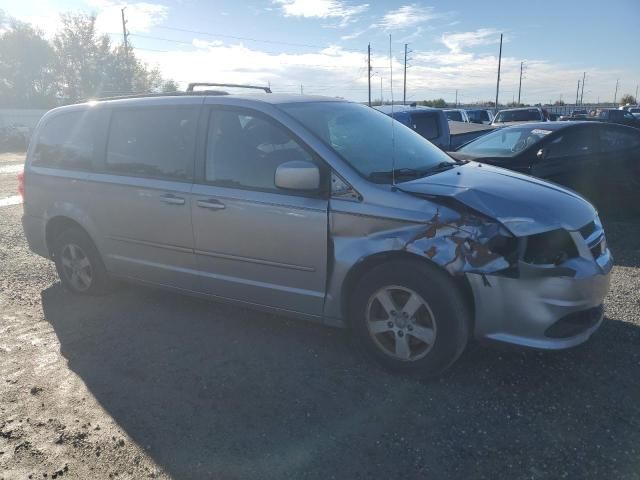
393 132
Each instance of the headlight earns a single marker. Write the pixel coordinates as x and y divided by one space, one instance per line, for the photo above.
549 248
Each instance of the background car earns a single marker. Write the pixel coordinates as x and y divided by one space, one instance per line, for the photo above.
613 115
480 116
599 160
519 115
429 122
457 115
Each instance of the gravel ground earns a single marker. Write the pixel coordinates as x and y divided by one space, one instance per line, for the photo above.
146 384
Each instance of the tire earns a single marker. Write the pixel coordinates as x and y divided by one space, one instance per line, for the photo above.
78 263
425 326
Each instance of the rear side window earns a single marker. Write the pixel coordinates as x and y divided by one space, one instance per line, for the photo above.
244 150
67 141
153 142
617 139
426 124
574 143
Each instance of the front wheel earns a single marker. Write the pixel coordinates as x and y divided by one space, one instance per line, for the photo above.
410 316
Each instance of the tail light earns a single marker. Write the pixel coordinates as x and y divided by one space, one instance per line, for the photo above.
21 184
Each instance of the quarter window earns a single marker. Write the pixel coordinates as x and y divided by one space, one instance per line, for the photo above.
153 142
67 141
244 150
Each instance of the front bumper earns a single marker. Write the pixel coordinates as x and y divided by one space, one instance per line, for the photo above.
527 310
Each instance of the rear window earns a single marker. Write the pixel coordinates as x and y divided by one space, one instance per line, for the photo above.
153 142
518 116
426 124
67 141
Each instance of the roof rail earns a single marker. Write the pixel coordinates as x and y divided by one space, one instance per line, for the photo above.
191 86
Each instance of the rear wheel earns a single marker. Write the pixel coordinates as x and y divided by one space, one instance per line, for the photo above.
410 317
78 263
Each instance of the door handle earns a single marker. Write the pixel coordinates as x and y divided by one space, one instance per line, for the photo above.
211 203
171 199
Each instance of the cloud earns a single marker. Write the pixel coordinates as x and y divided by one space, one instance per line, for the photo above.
456 42
141 16
196 42
325 9
406 16
354 35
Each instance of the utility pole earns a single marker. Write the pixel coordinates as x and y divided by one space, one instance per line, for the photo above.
369 70
615 95
125 34
584 75
637 101
125 37
404 91
381 101
301 90
520 86
577 91
499 64
456 98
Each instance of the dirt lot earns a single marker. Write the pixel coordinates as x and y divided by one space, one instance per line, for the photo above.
145 384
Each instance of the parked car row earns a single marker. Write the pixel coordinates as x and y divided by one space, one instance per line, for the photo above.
326 210
434 125
597 159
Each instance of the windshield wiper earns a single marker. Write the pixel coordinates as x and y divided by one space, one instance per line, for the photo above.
441 167
399 173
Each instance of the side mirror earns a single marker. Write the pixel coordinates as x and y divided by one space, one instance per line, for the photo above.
541 154
298 175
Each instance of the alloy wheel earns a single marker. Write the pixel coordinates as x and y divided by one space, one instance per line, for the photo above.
401 323
76 267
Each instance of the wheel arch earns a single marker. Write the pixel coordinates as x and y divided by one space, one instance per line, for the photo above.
365 265
58 224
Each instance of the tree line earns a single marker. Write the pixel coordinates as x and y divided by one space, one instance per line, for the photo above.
78 63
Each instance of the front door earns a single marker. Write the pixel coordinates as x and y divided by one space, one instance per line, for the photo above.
570 159
254 242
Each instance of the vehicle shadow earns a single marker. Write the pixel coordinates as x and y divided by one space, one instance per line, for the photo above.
216 391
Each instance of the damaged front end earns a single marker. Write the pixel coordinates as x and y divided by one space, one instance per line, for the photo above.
534 256
543 290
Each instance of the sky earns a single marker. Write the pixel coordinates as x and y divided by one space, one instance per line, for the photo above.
320 46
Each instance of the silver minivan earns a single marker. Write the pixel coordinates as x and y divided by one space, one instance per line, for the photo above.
318 208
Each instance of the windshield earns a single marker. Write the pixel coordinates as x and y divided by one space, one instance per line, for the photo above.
506 142
518 116
362 136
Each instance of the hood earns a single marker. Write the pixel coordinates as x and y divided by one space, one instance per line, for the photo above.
525 205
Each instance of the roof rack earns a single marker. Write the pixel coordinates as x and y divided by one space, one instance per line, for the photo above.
190 91
190 88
